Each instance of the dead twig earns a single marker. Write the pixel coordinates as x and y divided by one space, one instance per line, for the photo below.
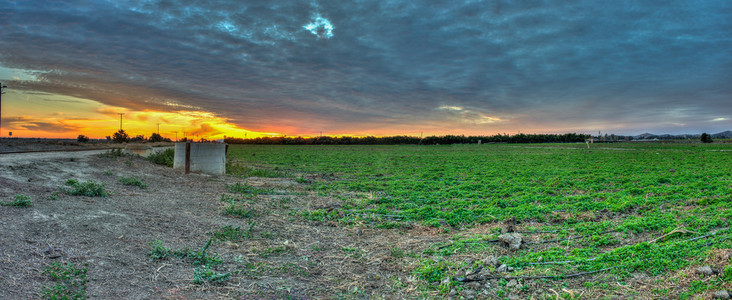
676 230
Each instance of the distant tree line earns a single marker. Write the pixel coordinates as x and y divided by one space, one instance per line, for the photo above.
122 137
410 140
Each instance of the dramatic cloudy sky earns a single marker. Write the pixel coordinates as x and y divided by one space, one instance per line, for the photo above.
365 67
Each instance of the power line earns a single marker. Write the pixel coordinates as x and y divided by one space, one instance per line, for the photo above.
2 87
120 121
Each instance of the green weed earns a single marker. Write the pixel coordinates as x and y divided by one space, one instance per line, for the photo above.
90 188
205 274
164 158
113 153
20 200
230 233
132 181
234 210
70 282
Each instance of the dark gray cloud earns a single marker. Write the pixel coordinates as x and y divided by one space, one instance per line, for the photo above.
465 66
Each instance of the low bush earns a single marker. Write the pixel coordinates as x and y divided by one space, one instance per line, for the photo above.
164 158
19 201
90 188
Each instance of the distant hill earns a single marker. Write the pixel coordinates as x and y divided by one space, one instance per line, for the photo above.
723 135
649 136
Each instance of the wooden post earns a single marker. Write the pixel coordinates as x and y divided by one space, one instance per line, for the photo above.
188 157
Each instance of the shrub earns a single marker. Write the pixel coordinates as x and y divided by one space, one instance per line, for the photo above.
706 138
138 139
155 137
164 158
90 188
82 138
20 201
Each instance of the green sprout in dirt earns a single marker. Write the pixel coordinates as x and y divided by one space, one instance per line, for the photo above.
70 282
90 188
201 257
19 201
205 274
132 181
230 233
113 153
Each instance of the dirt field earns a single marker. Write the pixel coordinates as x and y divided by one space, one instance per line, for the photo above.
282 256
111 236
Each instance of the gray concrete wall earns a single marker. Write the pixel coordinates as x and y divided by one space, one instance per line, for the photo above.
209 158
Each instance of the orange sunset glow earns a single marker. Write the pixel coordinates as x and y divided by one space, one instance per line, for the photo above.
54 116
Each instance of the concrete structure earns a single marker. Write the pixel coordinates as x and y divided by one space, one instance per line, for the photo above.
209 158
139 149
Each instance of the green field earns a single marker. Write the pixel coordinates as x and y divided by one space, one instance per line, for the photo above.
604 214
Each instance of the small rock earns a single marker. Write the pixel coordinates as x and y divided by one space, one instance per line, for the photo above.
469 294
502 268
512 240
473 285
511 283
706 270
509 269
490 261
452 294
723 294
446 280
469 262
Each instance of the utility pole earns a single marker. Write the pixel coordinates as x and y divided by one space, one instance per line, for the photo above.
2 87
158 128
120 121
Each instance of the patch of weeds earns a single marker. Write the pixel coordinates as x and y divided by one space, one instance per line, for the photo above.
54 196
201 257
302 180
205 274
132 181
396 252
90 188
108 172
164 158
158 251
268 235
272 251
353 252
19 201
247 189
241 171
230 233
72 159
238 211
71 282
113 153
129 163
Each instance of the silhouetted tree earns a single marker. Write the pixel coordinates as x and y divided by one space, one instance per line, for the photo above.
138 139
120 136
82 138
706 138
154 138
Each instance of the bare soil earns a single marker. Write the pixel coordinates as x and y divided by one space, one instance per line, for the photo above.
285 256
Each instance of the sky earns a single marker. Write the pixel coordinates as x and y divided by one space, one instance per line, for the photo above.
306 68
